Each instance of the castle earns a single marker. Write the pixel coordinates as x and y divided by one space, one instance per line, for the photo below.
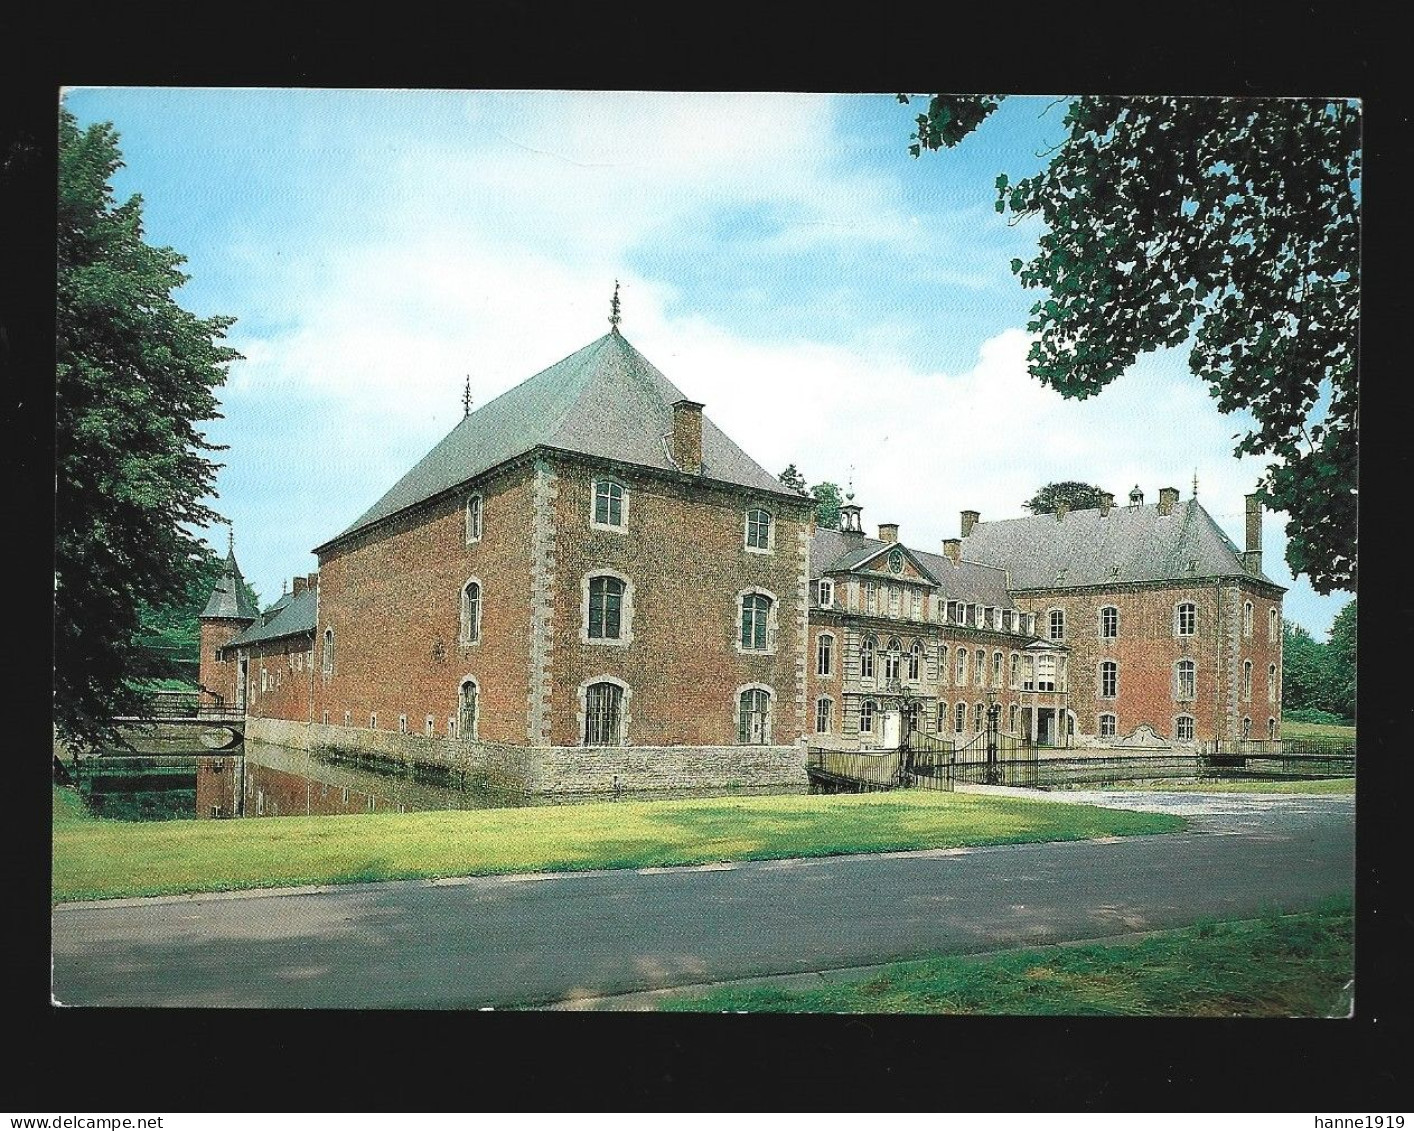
587 585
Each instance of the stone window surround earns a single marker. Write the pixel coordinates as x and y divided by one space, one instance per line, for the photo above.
622 527
476 709
868 708
1179 693
625 637
474 528
942 721
1178 721
582 709
1271 683
893 658
960 718
1247 681
917 662
961 669
328 658
1100 692
825 655
1054 615
868 656
772 622
1101 622
770 711
469 635
1106 717
430 727
829 705
1178 618
770 547
997 661
1247 618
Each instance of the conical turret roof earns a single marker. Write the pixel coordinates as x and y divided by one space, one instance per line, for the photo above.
228 599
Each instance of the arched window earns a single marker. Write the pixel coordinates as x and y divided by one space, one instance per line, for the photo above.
824 654
866 658
1185 679
960 718
755 615
471 612
996 669
1273 625
603 714
1246 727
942 715
473 519
610 504
468 703
758 529
979 716
1185 619
1271 730
915 662
866 717
824 708
944 671
1013 716
1016 669
1247 681
1057 624
753 727
1109 622
606 606
1109 679
1247 618
1271 683
891 659
1183 728
1107 726
328 651
962 667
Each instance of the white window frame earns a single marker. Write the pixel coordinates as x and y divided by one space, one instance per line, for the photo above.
1178 727
1113 692
430 727
944 717
960 718
1178 689
772 612
475 526
770 547
1271 683
327 661
1051 617
962 671
915 605
1247 619
828 706
1109 609
1247 681
944 666
1178 608
1273 624
1110 718
997 662
825 655
917 662
625 637
893 659
826 596
770 693
868 708
608 481
868 657
469 631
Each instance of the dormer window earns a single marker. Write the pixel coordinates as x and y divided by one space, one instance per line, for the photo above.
610 504
827 593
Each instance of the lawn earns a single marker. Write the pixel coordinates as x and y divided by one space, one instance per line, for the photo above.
1292 729
1254 785
97 859
1279 966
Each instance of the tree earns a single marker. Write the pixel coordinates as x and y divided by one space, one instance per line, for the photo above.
1303 675
1228 222
173 632
1340 662
1076 496
792 480
135 374
828 501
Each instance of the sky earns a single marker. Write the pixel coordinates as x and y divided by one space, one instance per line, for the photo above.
834 302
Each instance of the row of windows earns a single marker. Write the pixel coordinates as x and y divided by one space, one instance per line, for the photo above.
609 500
892 600
1039 672
1185 621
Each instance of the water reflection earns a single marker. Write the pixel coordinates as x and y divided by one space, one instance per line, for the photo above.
273 781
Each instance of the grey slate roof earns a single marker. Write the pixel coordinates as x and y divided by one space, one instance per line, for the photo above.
605 400
228 598
832 551
1085 549
297 615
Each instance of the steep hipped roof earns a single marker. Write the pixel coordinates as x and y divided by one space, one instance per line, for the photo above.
832 551
228 597
295 616
1129 544
605 400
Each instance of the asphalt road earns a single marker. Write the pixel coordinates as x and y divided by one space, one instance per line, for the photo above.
543 939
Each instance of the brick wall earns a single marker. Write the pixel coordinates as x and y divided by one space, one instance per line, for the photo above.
280 679
215 673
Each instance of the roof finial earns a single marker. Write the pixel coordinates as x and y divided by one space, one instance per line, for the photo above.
614 309
1195 482
230 539
466 397
849 494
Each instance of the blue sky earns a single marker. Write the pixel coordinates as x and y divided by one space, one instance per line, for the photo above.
836 303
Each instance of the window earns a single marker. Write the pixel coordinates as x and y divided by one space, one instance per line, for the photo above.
1183 728
1273 626
960 718
1045 673
609 504
1271 730
1057 624
1185 619
373 721
1014 715
824 654
979 716
402 724
916 605
1271 683
1247 681
348 718
603 714
1246 728
473 519
823 710
962 667
871 597
942 715
1109 622
430 727
943 669
1015 669
326 718
328 651
866 717
866 658
915 661
467 706
471 612
1185 679
827 592
755 612
1109 679
894 597
1247 618
1107 726
996 669
606 603
891 659
758 530
950 614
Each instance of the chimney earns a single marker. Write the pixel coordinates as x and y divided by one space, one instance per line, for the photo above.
888 532
313 580
969 520
1136 497
687 436
1252 555
1168 496
298 586
1107 502
952 548
1062 509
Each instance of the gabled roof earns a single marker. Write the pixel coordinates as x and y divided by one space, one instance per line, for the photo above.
605 400
863 555
833 551
228 597
1129 544
295 616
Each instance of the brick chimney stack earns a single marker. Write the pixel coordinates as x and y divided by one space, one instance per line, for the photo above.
969 520
1107 502
888 532
1252 554
313 580
952 548
298 586
687 436
1168 497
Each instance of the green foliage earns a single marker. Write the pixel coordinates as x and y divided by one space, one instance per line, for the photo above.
174 631
1311 715
1076 496
1231 225
135 373
1318 680
828 501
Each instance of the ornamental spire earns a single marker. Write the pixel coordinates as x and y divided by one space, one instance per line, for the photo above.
230 539
849 494
1195 482
614 309
466 397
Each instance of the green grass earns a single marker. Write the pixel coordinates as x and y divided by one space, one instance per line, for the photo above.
1324 785
1277 966
96 859
1290 728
